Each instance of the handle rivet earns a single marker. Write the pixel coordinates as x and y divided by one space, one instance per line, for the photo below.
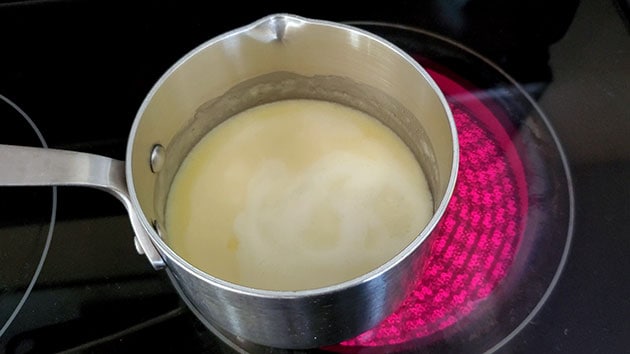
157 158
156 227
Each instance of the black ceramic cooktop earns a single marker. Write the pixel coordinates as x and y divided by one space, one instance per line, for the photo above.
539 94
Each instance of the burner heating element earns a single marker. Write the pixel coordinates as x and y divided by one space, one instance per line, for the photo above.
475 243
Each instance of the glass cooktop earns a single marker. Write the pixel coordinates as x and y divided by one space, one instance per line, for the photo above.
71 280
484 259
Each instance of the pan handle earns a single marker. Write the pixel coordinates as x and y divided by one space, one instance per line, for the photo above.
30 166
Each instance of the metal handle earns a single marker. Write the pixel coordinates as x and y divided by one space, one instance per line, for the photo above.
29 166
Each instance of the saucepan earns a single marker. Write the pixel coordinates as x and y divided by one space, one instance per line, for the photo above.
278 57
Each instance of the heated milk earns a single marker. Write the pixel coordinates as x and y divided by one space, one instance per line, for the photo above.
294 195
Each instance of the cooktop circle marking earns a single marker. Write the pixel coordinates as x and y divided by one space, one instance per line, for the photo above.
51 227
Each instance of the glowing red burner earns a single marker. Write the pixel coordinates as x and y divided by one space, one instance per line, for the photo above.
476 241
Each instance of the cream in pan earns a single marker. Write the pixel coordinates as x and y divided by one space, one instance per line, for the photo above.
296 194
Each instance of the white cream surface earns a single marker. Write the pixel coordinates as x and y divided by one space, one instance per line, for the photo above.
294 195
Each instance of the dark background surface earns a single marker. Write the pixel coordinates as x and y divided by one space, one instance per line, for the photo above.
82 68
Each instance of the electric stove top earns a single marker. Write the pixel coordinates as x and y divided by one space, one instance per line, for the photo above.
530 256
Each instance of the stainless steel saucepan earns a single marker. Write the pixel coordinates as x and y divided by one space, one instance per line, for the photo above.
277 57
